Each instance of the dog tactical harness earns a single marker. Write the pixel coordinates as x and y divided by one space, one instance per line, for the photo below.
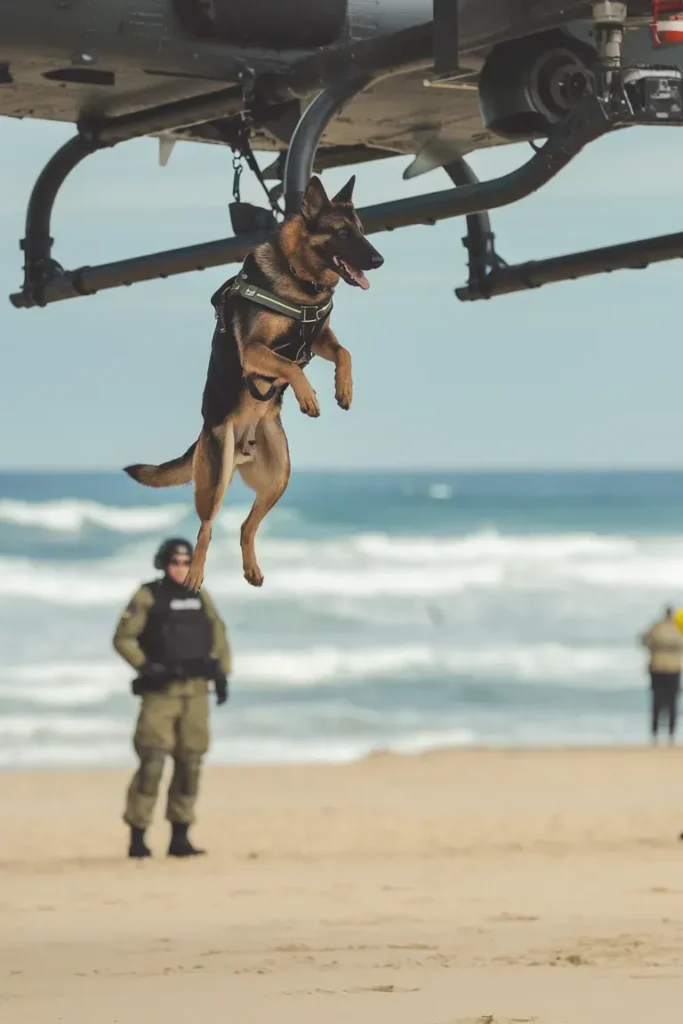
307 321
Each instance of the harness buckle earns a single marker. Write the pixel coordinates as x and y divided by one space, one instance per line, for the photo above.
318 313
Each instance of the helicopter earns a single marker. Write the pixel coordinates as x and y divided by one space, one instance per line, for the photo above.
322 84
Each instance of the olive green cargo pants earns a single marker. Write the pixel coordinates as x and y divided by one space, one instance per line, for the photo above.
176 722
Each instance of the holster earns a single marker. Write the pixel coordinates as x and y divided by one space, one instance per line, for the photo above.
143 684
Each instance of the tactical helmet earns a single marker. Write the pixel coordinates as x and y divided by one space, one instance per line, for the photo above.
169 548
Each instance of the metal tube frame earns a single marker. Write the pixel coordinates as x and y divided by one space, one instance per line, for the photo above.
47 282
637 255
309 131
586 122
480 239
39 267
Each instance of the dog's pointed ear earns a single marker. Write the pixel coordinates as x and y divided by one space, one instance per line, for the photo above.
315 199
345 194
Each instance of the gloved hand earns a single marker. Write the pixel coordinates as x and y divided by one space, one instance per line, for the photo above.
221 687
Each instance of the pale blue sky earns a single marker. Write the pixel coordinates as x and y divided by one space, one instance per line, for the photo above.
574 375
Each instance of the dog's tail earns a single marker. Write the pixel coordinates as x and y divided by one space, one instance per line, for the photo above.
168 474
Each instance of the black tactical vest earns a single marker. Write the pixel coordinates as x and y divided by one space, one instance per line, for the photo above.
178 634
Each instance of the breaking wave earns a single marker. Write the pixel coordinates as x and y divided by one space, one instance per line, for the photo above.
373 566
70 516
90 683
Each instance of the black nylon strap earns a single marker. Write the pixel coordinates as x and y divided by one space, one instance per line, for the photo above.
254 391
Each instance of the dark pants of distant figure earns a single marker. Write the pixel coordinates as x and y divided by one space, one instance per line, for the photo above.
665 690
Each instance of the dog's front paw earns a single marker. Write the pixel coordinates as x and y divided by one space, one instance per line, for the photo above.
253 575
344 392
193 581
308 403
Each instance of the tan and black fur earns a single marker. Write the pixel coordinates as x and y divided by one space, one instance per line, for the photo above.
303 265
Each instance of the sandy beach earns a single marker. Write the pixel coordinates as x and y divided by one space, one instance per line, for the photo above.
450 888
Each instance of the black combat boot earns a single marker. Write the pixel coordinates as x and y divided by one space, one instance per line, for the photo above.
138 847
180 845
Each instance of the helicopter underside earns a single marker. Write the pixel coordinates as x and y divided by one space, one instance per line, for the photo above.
391 117
567 85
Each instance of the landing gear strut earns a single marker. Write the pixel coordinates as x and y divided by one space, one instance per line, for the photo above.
39 267
627 95
309 131
479 240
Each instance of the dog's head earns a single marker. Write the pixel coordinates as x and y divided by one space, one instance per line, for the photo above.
334 234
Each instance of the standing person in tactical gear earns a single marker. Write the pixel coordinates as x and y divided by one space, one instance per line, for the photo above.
665 644
177 644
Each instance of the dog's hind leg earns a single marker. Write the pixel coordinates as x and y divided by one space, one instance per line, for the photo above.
268 475
212 471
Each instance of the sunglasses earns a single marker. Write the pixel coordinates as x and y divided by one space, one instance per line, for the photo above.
179 561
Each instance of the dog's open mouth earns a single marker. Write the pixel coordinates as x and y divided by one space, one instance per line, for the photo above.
350 274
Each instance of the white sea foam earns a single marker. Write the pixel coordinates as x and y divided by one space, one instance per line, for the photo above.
64 684
489 544
533 663
71 516
372 566
31 727
53 753
259 750
88 684
67 584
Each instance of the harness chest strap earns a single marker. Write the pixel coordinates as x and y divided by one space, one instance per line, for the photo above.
307 316
304 314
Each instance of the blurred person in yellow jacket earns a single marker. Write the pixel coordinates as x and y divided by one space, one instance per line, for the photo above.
664 641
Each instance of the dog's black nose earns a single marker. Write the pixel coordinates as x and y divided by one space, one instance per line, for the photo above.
377 260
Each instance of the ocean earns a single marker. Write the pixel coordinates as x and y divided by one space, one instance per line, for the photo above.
400 611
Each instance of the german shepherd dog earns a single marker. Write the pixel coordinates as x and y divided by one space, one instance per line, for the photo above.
273 317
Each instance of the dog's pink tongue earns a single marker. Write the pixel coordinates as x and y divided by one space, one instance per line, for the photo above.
359 277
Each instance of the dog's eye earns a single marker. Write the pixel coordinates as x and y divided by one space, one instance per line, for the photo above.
344 232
